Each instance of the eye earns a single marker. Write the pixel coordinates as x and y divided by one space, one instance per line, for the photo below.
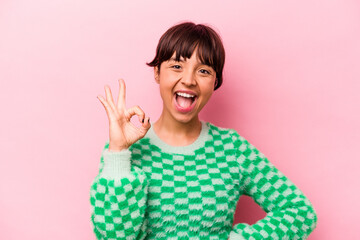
176 66
204 71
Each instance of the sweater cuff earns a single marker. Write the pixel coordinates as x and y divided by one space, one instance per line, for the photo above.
233 235
116 164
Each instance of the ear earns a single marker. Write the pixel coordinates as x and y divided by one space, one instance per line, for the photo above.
156 74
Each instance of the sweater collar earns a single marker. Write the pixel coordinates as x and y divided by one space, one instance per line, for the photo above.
188 149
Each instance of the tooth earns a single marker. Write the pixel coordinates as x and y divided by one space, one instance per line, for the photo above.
185 95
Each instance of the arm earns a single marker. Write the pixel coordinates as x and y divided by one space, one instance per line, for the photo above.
290 215
118 198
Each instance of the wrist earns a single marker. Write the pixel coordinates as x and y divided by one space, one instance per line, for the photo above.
117 148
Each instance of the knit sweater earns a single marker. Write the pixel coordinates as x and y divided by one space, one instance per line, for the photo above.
153 190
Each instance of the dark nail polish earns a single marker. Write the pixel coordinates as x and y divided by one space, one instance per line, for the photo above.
143 120
149 120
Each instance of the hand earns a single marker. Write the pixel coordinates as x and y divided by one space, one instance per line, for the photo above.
122 132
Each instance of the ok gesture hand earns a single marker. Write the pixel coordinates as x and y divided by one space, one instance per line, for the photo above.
122 132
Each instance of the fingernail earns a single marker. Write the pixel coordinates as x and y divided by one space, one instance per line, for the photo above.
143 120
149 120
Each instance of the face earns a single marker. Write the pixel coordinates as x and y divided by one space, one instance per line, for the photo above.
185 87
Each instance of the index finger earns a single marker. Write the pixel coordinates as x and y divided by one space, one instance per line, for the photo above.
122 95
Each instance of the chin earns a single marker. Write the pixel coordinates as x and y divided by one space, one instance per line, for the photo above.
185 119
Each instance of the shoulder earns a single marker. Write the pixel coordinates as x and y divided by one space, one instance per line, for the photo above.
231 137
225 133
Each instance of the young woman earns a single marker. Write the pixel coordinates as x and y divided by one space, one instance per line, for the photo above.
180 177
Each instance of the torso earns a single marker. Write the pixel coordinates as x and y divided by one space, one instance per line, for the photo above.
189 194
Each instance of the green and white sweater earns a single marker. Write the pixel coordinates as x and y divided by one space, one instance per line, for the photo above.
156 191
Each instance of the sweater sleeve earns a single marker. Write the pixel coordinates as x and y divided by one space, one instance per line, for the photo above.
118 196
289 213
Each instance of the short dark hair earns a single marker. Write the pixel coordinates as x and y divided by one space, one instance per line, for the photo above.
183 38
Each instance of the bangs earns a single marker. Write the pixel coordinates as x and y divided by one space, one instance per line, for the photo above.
186 45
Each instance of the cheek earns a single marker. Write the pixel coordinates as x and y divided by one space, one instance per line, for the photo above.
166 89
208 88
167 83
206 94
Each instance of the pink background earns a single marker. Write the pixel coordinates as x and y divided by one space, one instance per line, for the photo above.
291 84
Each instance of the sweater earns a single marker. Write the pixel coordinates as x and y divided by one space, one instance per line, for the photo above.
153 190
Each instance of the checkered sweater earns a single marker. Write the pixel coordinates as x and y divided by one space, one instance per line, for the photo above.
156 191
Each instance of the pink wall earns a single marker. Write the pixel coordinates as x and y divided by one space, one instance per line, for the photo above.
291 83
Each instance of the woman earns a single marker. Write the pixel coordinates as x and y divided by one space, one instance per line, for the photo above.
180 177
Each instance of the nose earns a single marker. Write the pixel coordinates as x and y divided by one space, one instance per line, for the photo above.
188 78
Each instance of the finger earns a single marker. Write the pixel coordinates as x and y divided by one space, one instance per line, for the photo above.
106 106
109 97
122 94
145 126
136 110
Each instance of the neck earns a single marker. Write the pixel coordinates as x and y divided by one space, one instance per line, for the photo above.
175 132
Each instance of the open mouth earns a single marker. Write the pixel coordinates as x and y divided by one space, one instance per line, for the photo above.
184 102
